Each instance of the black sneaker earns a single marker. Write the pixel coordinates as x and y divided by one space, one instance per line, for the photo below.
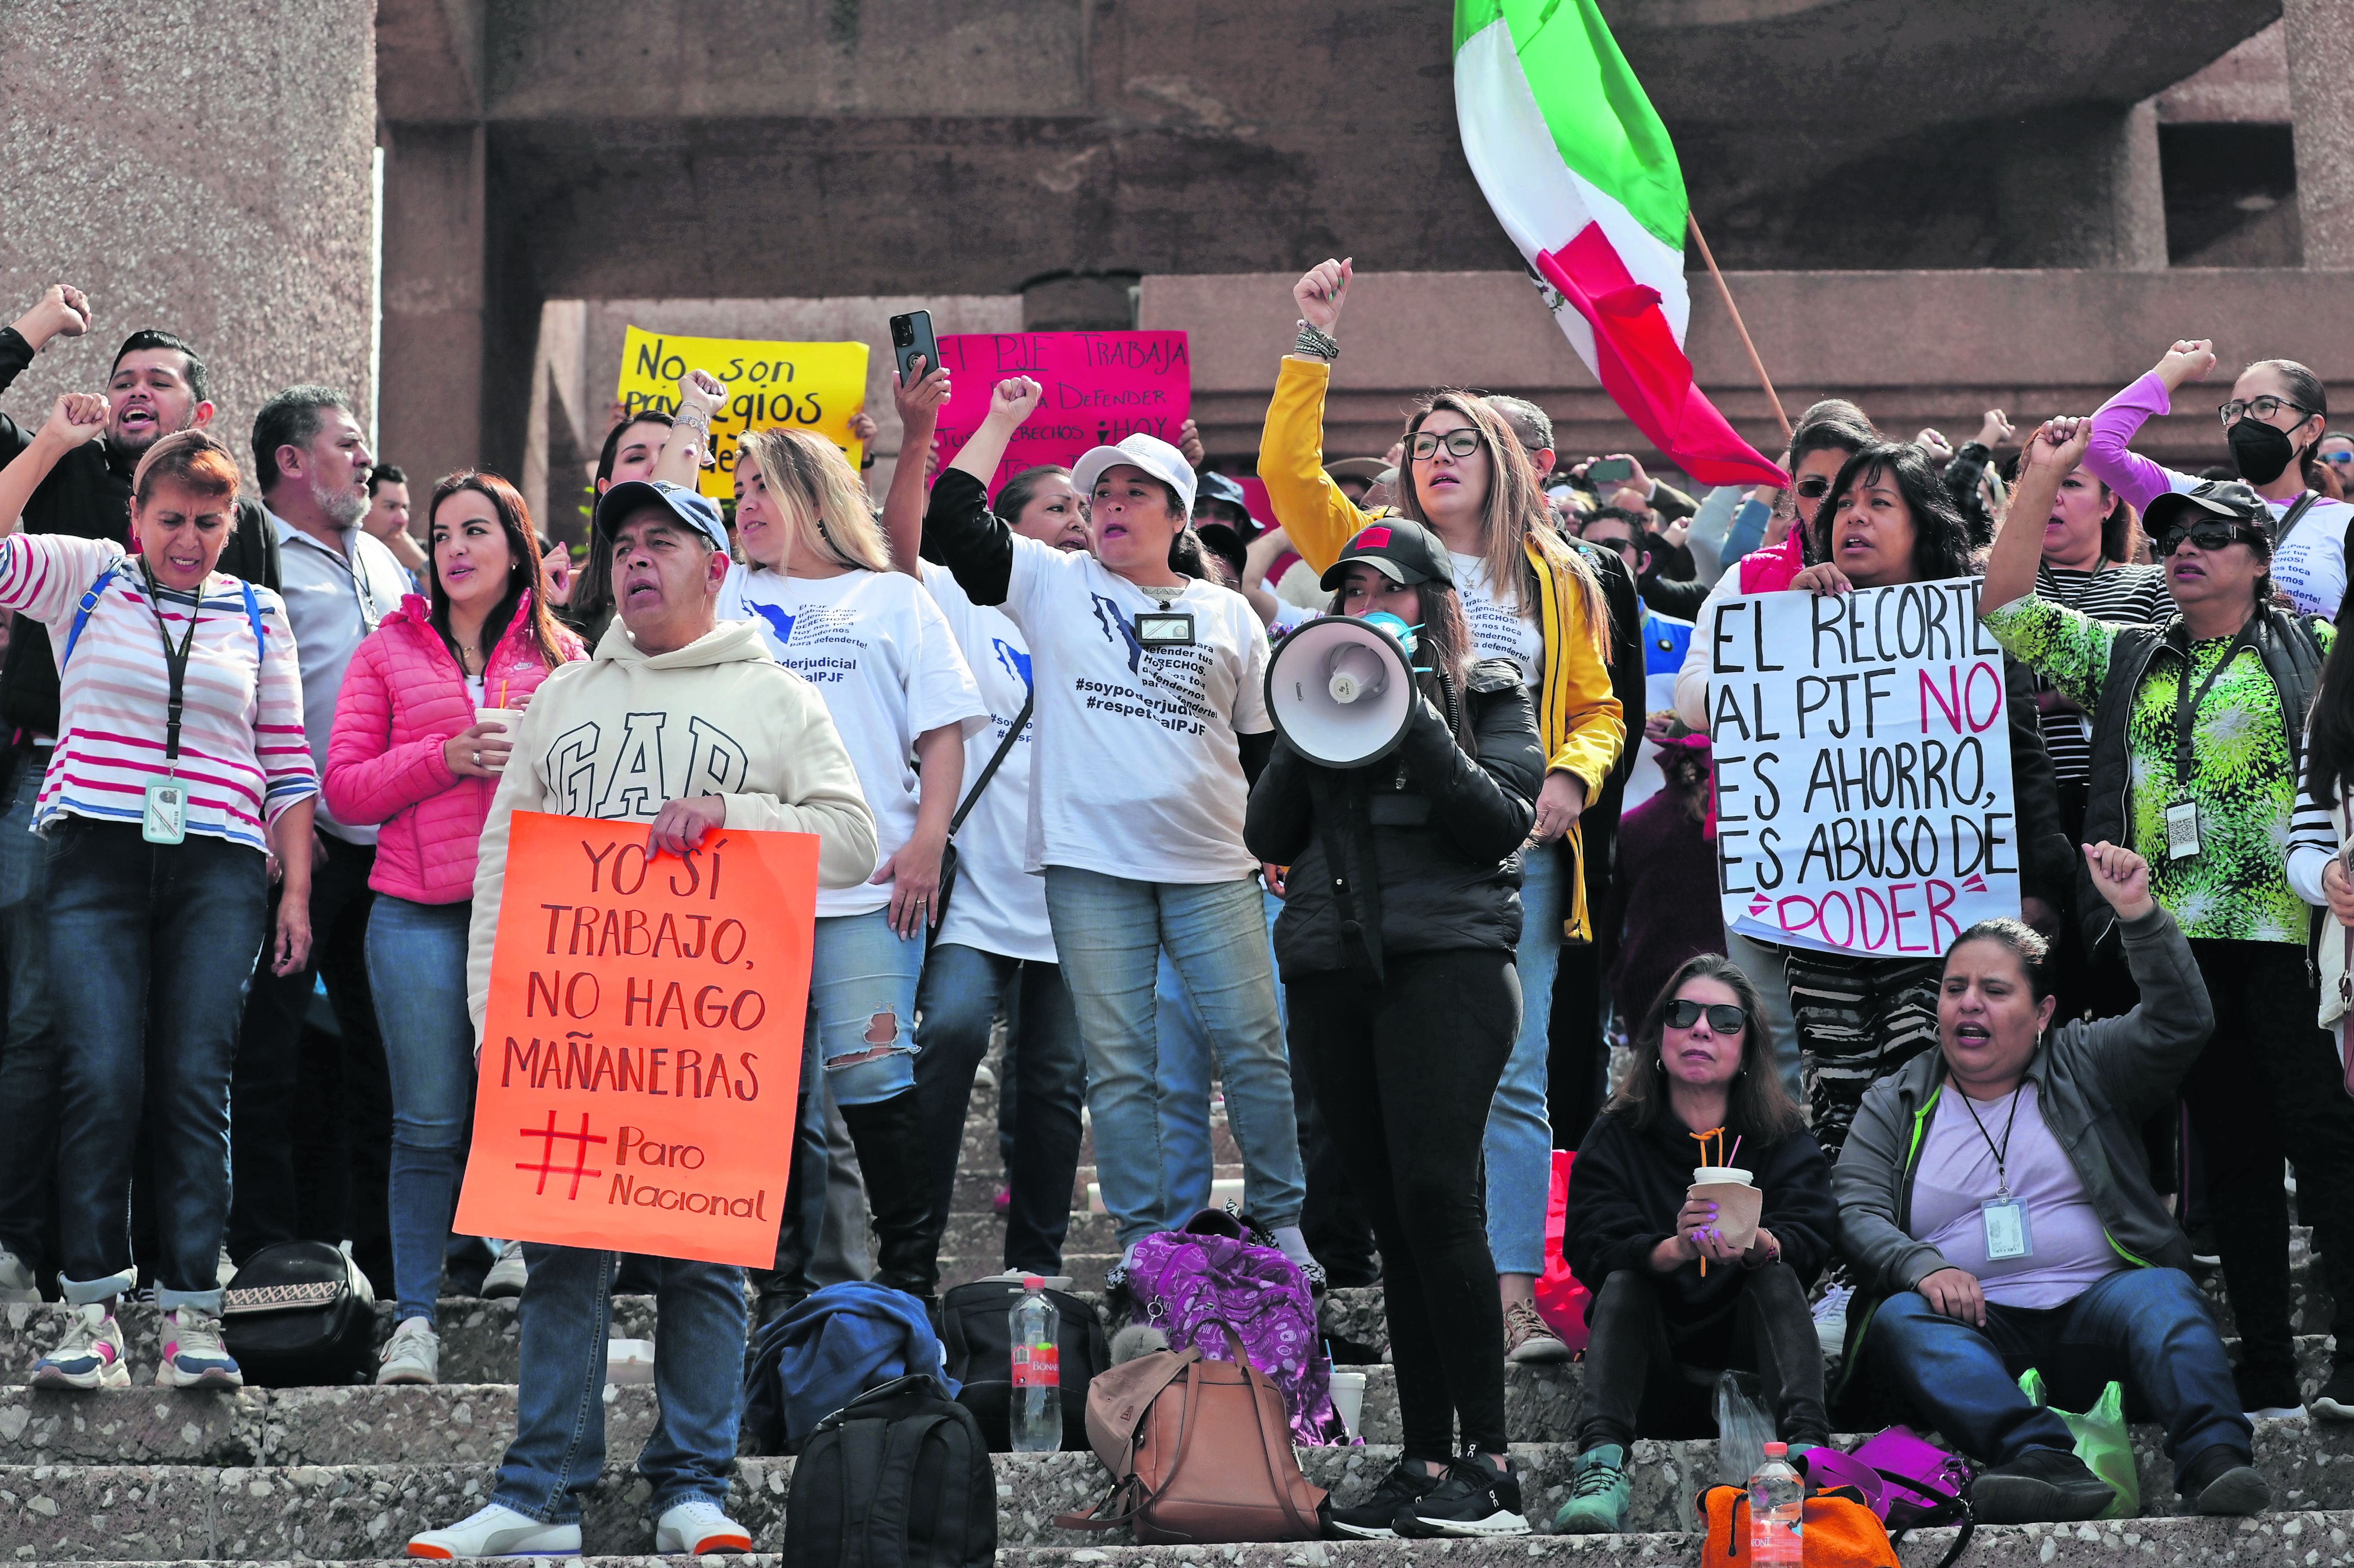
2043 1486
1370 1520
2336 1400
2221 1482
1474 1498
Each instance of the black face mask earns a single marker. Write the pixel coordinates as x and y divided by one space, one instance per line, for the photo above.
2259 452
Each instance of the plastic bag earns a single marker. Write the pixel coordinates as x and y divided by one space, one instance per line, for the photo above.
1561 1299
1742 1428
2101 1441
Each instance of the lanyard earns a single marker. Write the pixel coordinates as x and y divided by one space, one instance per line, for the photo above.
2186 707
176 661
2002 1175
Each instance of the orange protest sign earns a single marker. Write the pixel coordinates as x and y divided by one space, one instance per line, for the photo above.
642 1050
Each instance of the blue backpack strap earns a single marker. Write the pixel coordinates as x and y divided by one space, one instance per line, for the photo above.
81 615
253 614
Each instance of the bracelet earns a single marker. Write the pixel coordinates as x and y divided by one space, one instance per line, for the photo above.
1315 344
866 461
693 418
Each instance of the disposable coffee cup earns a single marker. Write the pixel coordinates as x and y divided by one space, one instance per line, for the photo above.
1737 1200
511 717
1349 1398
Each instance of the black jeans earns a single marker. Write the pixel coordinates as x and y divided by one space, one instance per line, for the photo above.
312 1140
1636 1363
2266 1087
1404 1071
1045 1066
29 1050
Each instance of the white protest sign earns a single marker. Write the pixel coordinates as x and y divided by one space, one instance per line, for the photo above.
1863 798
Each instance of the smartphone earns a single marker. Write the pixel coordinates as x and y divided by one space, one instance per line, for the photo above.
911 334
1610 471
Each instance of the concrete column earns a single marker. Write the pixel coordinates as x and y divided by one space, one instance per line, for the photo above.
2080 188
193 171
433 265
2320 62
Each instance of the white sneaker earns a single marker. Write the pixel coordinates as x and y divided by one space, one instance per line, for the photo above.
1830 1320
506 1275
16 1281
698 1526
91 1355
194 1354
412 1355
497 1531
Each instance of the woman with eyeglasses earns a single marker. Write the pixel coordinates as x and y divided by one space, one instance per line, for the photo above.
2276 421
1533 599
1676 1287
2198 731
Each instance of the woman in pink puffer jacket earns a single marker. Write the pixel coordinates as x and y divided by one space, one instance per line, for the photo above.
408 751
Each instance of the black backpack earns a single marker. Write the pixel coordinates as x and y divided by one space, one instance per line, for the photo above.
977 1343
299 1315
897 1478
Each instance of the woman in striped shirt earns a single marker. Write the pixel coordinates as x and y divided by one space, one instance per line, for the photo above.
180 765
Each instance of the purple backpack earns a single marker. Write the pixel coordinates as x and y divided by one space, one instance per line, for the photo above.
1903 1477
1195 1283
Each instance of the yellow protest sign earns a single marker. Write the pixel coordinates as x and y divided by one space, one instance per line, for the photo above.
802 386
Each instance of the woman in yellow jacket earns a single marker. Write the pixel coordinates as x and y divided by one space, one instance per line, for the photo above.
1530 599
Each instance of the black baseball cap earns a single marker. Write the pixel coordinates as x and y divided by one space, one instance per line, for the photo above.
1218 487
699 512
2223 498
1401 549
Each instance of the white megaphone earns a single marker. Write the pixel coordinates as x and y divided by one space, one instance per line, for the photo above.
1341 689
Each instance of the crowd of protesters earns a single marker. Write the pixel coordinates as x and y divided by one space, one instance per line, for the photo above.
266 741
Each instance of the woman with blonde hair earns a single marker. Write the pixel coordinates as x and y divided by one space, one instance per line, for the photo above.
1530 599
816 578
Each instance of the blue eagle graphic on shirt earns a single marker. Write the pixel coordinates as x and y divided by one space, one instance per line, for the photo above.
778 621
1014 662
1113 622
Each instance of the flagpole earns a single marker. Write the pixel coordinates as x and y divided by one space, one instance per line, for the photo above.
1754 362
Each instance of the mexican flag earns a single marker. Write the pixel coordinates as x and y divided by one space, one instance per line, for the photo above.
1581 173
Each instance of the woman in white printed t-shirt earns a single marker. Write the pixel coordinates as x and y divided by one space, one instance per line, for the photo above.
995 947
1151 721
820 588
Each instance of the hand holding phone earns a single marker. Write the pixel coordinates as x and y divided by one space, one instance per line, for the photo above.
911 336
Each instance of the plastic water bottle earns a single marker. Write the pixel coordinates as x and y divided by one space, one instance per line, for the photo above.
1037 1371
1776 1510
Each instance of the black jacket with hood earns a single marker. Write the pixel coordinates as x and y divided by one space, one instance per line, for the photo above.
1417 852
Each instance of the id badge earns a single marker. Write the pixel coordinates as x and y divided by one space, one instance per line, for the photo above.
163 815
2183 831
2005 1229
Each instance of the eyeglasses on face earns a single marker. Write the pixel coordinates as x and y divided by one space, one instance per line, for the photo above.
2207 534
1458 444
2340 459
1722 1016
1814 487
2262 407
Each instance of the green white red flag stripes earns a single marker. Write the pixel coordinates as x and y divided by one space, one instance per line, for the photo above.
1582 175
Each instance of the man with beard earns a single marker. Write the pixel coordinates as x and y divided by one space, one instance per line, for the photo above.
327 1180
158 387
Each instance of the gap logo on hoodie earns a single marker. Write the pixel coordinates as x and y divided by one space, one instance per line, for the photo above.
656 757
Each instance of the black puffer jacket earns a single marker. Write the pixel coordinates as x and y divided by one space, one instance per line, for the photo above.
1416 854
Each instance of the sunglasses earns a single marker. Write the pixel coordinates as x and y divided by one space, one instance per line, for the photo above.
1814 487
2207 534
2340 459
1722 1016
2262 407
1458 444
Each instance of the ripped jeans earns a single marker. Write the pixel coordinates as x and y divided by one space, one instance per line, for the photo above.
862 979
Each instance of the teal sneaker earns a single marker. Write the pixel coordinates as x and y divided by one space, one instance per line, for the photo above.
1600 1495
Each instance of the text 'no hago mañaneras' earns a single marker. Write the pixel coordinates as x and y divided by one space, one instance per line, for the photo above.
1862 767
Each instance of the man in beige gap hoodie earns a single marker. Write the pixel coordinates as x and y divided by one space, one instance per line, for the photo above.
685 723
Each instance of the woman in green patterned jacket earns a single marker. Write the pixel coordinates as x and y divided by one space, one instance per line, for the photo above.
2197 724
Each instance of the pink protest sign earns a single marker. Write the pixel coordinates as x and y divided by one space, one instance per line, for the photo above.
1100 388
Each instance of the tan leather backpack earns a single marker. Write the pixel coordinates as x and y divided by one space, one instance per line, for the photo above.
1199 1453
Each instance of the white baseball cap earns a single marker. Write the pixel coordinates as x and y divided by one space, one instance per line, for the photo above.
1151 454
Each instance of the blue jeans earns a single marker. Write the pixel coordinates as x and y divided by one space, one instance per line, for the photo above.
2147 1328
1046 1068
1109 932
1519 1145
559 1444
416 974
165 938
861 971
28 1059
1186 1063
